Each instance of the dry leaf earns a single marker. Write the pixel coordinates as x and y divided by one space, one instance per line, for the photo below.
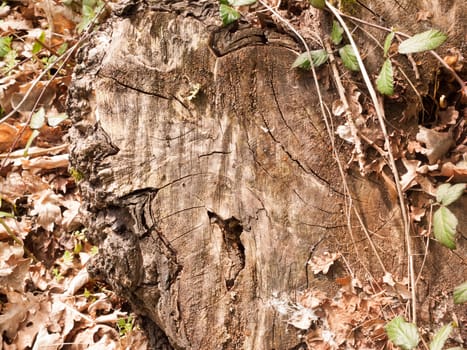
47 208
323 262
436 143
456 172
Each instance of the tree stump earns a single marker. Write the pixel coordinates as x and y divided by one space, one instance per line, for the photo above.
209 178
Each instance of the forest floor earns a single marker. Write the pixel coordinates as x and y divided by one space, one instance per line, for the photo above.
47 298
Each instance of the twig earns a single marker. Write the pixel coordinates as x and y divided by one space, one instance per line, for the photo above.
34 152
348 112
426 246
392 162
349 203
433 53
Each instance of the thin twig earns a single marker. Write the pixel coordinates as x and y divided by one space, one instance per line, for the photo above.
392 162
433 53
349 203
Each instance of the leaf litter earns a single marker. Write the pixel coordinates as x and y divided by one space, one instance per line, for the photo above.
52 302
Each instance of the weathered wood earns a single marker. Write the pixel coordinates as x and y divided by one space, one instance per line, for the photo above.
209 176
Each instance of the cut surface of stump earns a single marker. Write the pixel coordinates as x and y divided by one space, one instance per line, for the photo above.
209 178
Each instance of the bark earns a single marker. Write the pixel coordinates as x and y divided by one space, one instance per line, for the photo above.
209 177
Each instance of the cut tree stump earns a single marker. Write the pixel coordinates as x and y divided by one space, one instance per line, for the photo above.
209 178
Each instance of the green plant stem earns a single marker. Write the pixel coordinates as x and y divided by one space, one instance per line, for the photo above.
433 53
380 115
17 240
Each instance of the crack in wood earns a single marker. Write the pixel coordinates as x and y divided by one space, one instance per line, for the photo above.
231 229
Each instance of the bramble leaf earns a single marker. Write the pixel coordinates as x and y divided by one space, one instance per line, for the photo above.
444 227
38 119
385 81
447 193
348 58
56 119
428 40
317 56
460 293
37 46
5 45
228 14
336 33
387 43
402 333
440 337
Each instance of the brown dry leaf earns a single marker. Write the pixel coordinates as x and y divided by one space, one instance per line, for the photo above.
47 208
19 228
423 15
25 101
71 216
45 163
408 179
37 318
417 213
136 339
323 262
77 282
447 117
14 312
17 185
61 18
97 337
46 340
456 172
8 134
38 275
13 22
437 143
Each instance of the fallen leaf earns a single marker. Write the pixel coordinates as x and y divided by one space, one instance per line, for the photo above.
437 143
323 262
456 172
47 209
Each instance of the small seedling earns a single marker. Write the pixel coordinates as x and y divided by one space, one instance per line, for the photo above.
57 274
125 325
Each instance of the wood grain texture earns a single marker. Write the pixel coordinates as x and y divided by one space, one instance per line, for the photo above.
208 176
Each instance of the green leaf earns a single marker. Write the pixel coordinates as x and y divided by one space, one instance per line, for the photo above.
440 337
56 119
5 45
37 46
460 293
31 138
444 227
336 33
62 49
319 4
447 193
241 2
385 81
402 333
428 40
38 119
348 57
228 14
317 56
387 43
